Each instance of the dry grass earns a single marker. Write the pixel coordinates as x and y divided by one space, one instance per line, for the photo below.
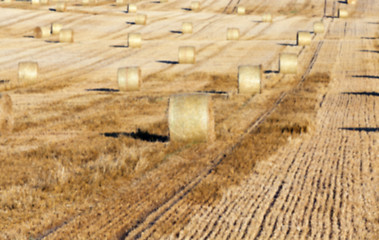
292 118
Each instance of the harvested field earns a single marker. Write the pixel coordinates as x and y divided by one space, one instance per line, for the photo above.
82 158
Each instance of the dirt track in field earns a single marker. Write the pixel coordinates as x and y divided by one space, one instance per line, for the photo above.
298 161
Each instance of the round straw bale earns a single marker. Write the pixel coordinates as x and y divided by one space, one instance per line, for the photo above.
7 1
267 17
66 35
249 79
132 8
342 13
288 63
187 27
27 72
120 2
303 38
190 118
232 34
318 27
6 114
241 10
134 40
129 78
61 7
41 32
35 2
141 19
56 28
352 2
187 55
195 5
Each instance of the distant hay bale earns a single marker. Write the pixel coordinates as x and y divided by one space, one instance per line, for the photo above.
288 63
195 6
141 19
241 10
120 2
66 35
318 27
61 7
6 114
56 28
35 2
129 78
232 34
44 2
342 13
7 1
303 38
190 118
132 8
187 55
267 17
27 72
187 27
249 79
352 2
134 40
42 32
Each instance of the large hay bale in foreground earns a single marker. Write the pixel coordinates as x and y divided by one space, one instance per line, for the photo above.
232 34
42 32
249 79
56 28
134 40
27 72
6 114
187 27
342 13
129 78
318 27
288 63
66 35
195 6
190 118
61 7
267 17
241 10
132 8
141 19
303 38
187 55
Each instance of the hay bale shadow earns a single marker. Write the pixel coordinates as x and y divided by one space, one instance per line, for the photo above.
176 32
374 94
369 51
168 62
52 9
119 46
131 23
139 135
271 71
365 76
287 44
187 9
50 41
102 90
28 36
360 129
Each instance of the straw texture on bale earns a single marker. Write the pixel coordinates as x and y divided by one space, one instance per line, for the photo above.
6 114
232 34
35 2
129 78
190 118
134 40
288 63
241 10
249 79
66 35
61 7
141 19
304 38
318 27
267 17
342 13
195 5
56 28
42 32
27 72
132 8
187 55
187 27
